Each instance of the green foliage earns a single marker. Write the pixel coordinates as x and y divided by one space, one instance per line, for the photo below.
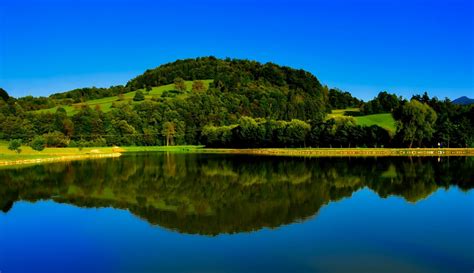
169 131
416 122
4 95
38 143
179 84
265 83
15 145
56 139
139 96
383 103
217 136
198 86
297 132
339 99
241 104
90 93
251 132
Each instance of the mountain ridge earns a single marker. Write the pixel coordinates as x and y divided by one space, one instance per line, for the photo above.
463 100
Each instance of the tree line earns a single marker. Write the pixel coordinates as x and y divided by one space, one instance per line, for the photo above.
248 104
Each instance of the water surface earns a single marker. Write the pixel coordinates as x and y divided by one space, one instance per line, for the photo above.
165 212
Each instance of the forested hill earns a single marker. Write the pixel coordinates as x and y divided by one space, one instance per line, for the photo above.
265 90
230 74
231 103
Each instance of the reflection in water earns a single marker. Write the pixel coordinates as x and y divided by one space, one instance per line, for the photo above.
213 194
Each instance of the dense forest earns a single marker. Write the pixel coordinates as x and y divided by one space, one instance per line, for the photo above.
247 104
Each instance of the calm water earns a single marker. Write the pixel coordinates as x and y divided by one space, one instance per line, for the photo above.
237 213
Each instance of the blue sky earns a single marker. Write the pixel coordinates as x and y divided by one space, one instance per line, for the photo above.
362 46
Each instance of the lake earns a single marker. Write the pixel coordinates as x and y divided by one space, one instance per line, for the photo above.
178 212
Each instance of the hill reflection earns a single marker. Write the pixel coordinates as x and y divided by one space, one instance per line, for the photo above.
213 194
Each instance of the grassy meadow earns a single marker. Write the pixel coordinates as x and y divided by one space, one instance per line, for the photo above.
105 104
384 120
28 153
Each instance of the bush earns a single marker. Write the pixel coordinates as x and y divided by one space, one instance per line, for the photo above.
198 86
170 94
56 139
15 145
353 113
179 84
38 143
139 96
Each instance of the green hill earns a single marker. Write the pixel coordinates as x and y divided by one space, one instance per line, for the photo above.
241 104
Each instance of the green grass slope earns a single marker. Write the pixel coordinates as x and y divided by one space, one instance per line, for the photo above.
105 104
384 120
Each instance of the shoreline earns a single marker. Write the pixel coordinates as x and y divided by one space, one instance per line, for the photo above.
52 159
303 152
349 152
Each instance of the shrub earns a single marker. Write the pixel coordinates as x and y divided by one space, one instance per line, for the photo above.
15 145
38 143
56 139
139 96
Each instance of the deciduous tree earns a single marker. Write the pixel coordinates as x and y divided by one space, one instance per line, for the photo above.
416 122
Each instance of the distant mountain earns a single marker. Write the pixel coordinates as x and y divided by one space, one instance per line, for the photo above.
463 101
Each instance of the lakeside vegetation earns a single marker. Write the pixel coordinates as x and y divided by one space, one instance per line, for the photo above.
29 156
232 104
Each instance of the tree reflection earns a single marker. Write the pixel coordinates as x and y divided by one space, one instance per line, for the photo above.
212 194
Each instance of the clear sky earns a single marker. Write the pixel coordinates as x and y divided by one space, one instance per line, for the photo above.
361 46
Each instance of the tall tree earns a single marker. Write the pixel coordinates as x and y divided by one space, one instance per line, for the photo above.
15 145
139 96
179 84
169 130
416 122
198 86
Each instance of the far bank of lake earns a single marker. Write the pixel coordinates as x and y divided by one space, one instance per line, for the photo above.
28 156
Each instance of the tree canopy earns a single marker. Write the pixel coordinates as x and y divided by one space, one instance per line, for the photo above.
4 95
416 122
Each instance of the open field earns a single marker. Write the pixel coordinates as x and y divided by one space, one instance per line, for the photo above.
105 104
340 112
384 120
30 156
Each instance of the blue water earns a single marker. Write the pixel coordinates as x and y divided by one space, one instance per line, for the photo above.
362 232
